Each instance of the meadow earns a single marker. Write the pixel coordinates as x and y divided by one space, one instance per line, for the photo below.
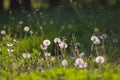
60 44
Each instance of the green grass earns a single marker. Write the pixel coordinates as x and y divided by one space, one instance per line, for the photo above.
63 74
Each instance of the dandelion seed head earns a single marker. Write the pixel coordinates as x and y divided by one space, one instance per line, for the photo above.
79 61
64 63
31 32
63 45
46 42
82 54
57 40
3 32
26 28
43 47
95 40
99 59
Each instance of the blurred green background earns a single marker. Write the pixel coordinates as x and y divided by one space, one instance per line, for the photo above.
28 4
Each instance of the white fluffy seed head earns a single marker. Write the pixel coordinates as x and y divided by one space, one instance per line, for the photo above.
64 63
43 47
46 42
79 61
26 28
99 59
31 32
63 45
95 40
57 40
3 32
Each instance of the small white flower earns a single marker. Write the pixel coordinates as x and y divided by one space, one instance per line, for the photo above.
47 54
26 28
43 47
63 45
3 32
9 45
16 41
26 55
10 50
46 42
95 40
64 63
57 40
99 59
